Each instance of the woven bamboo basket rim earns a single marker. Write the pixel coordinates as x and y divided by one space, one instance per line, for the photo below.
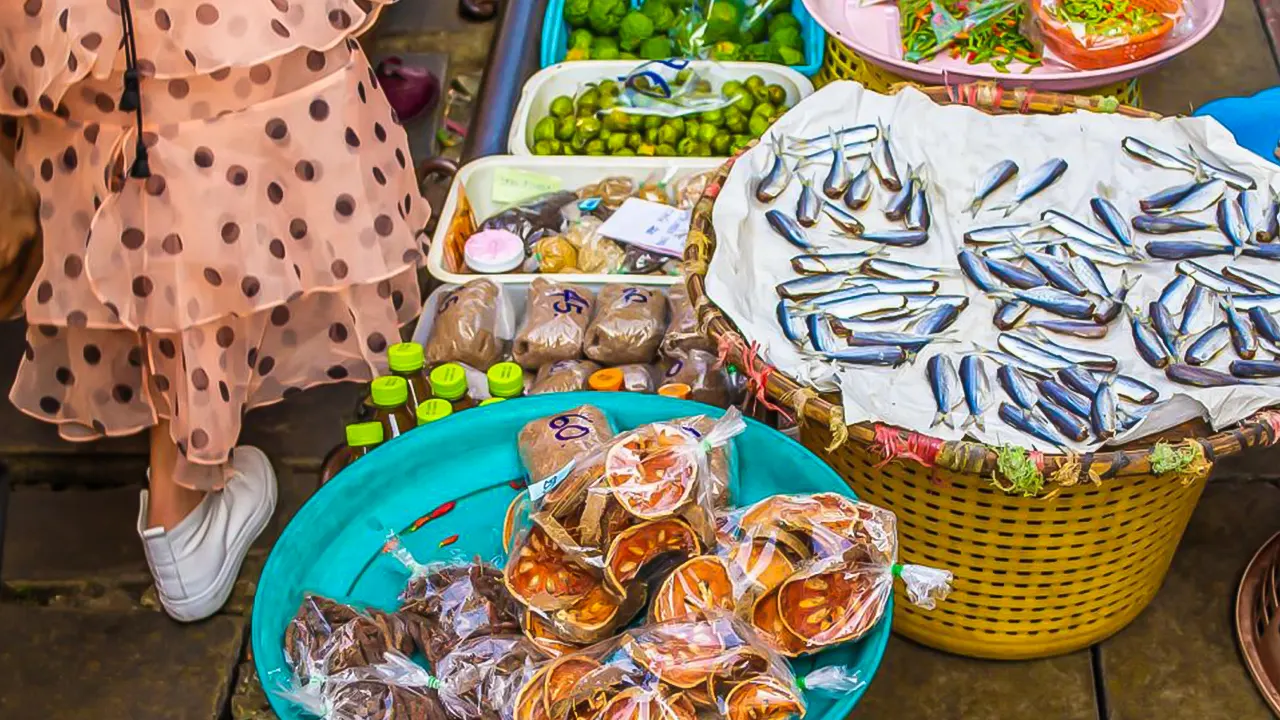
961 456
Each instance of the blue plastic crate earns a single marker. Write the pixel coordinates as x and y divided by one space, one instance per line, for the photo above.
555 36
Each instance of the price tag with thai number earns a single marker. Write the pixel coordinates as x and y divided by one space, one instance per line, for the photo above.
512 186
538 489
655 227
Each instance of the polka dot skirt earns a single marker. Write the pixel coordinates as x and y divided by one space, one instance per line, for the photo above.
273 248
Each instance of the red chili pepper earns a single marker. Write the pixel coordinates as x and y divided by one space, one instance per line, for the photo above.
438 512
448 541
517 484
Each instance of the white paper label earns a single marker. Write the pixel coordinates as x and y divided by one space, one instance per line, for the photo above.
653 226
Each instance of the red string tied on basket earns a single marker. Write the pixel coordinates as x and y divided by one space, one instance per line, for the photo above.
1272 419
894 444
757 372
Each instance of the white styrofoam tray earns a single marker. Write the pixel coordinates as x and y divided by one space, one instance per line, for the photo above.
477 179
565 79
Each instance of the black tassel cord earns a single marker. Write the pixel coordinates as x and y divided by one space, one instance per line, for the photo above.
131 98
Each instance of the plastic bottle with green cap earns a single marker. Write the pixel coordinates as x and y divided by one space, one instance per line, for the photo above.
390 396
361 438
449 382
432 410
408 360
506 380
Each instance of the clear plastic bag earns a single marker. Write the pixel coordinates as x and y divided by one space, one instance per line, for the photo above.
552 254
327 637
563 376
550 444
672 88
470 326
628 326
683 331
480 678
555 322
812 571
701 371
611 192
689 189
638 377
674 671
944 30
596 253
1091 37
392 688
531 219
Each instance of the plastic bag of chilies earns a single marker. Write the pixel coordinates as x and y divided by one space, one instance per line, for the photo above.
624 512
805 571
683 670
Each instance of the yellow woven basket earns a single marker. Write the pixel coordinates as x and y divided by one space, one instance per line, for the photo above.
842 63
1035 575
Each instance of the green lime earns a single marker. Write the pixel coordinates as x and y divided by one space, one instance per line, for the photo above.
688 147
562 106
691 128
634 140
665 150
555 146
609 88
753 82
712 117
777 94
730 88
735 121
565 128
707 133
608 102
625 152
604 134
545 129
589 100
595 147
764 109
651 136
720 145
704 149
682 77
743 102
678 124
616 142
652 121
760 93
758 124
589 127
646 149
541 148
667 135
578 145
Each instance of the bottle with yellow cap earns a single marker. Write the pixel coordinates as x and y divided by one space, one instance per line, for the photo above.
449 382
389 397
491 401
506 380
606 380
361 438
408 360
432 410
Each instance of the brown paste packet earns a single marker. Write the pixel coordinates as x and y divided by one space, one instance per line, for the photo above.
466 326
628 325
550 443
699 370
563 376
555 322
682 333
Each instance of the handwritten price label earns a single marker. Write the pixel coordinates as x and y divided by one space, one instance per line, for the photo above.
569 427
569 302
652 226
511 186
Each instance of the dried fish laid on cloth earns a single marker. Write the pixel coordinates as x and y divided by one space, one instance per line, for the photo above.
1044 234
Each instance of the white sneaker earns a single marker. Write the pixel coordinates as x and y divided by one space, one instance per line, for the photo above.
195 564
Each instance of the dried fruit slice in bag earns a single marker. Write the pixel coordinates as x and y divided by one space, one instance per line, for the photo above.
562 677
542 575
830 607
638 546
596 616
517 515
763 698
737 665
541 634
531 700
761 562
683 654
637 703
767 621
698 587
653 471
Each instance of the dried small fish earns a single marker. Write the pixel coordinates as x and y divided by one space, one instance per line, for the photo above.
822 263
843 219
1168 197
1174 295
1064 397
1073 328
809 205
838 296
897 238
896 208
1112 219
863 305
850 150
776 178
1058 273
1209 278
792 325
1014 275
975 268
1079 356
1030 352
885 268
1166 224
1149 154
945 383
1187 249
839 176
1200 313
910 342
999 234
1208 345
1029 423
852 134
789 230
1103 418
1200 376
1255 368
1109 307
1270 251
1053 300
858 194
1252 280
1090 275
1073 229
1147 340
1129 388
918 217
936 319
1237 180
992 180
900 286
1010 313
1036 181
1243 337
1265 324
1017 385
977 389
883 162
1165 326
1066 423
1232 223
812 286
879 355
1268 227
1202 197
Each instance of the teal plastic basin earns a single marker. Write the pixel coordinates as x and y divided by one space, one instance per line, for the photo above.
333 545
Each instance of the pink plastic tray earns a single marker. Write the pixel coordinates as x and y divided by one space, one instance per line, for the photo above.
872 32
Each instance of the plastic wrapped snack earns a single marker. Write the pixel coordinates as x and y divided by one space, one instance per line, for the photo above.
554 324
553 254
563 376
467 326
536 217
1094 36
682 670
480 679
326 637
445 604
682 332
812 571
393 688
549 444
701 371
611 191
628 325
690 188
596 253
638 261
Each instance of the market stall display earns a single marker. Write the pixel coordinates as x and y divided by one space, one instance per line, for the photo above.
752 30
1116 175
571 80
448 506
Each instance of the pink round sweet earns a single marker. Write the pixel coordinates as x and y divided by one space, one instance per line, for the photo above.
494 251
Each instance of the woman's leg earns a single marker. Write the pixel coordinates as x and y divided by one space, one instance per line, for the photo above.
170 502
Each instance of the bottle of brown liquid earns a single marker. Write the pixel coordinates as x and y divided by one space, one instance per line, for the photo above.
361 438
389 397
449 382
408 360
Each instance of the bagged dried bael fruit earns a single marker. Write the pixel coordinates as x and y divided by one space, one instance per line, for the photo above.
812 571
620 519
471 323
628 325
683 670
393 688
327 637
562 376
479 679
555 322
